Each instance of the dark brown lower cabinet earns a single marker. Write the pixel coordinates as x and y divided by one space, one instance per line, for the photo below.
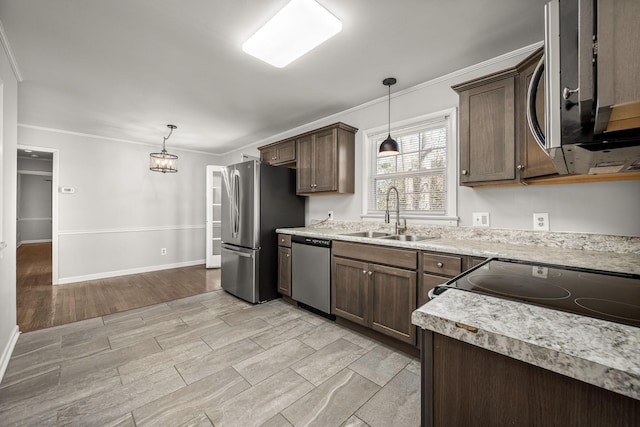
376 296
465 385
350 290
284 270
393 299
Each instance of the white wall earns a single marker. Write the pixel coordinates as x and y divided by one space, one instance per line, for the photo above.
121 213
8 147
605 208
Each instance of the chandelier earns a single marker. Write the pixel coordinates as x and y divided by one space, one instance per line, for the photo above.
163 161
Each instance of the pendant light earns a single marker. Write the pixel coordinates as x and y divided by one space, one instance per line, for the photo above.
163 161
389 146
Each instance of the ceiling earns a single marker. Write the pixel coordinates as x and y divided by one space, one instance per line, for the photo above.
32 154
125 68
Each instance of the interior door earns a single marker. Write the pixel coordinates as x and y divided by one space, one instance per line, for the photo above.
214 216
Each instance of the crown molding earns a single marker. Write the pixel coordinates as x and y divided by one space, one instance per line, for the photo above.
336 116
12 59
107 138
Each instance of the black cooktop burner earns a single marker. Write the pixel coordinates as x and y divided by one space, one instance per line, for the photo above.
600 294
518 287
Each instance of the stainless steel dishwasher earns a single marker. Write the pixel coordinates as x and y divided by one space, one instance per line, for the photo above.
311 273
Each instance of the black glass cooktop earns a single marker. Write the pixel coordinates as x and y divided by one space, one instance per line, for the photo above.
600 294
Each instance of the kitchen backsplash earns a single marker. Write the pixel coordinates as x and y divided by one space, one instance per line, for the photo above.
581 241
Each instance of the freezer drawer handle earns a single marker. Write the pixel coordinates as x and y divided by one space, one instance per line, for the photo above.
242 254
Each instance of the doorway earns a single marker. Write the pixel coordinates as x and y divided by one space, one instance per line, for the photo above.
37 210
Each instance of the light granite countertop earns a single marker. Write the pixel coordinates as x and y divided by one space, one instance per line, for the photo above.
598 352
599 260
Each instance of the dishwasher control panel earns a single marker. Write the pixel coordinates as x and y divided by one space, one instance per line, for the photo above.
313 241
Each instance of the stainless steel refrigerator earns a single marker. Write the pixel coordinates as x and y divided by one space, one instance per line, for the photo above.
256 200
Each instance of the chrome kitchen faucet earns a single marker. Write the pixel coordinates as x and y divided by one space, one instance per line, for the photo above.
399 228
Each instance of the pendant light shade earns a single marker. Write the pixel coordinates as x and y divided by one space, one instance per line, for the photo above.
163 161
389 146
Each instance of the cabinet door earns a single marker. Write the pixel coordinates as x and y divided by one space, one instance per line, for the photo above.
284 270
533 161
350 290
393 300
269 155
617 106
325 150
487 132
304 148
287 152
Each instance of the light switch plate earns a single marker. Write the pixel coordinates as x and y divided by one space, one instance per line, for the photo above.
481 219
541 222
67 190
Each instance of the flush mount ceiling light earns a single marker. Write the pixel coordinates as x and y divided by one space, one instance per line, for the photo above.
163 161
389 146
299 27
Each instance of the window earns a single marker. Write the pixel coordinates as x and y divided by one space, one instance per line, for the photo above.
423 172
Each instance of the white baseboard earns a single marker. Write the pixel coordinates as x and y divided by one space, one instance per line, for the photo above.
26 242
107 274
8 350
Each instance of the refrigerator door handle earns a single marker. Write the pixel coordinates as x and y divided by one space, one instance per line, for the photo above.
237 196
236 252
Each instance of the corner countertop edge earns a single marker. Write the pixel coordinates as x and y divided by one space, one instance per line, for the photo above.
594 351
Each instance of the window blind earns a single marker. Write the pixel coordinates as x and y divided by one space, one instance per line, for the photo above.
418 171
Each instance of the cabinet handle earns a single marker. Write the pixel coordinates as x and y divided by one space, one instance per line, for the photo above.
440 264
465 172
370 273
288 255
364 271
520 167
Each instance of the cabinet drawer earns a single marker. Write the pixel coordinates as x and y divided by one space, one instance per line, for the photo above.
446 265
284 240
379 254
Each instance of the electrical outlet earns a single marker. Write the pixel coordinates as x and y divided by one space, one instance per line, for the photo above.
541 221
330 215
481 219
163 251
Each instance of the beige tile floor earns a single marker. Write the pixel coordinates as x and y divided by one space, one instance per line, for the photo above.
210 359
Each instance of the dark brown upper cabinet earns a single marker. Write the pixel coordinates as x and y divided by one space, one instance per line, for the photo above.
279 154
324 159
496 145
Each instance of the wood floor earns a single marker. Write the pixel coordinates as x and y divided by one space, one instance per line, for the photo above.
41 305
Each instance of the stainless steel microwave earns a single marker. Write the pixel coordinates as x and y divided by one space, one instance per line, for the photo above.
591 73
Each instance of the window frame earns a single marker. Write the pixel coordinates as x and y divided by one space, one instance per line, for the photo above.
370 154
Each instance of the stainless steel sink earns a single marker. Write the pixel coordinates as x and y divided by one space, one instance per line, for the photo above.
407 237
369 234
